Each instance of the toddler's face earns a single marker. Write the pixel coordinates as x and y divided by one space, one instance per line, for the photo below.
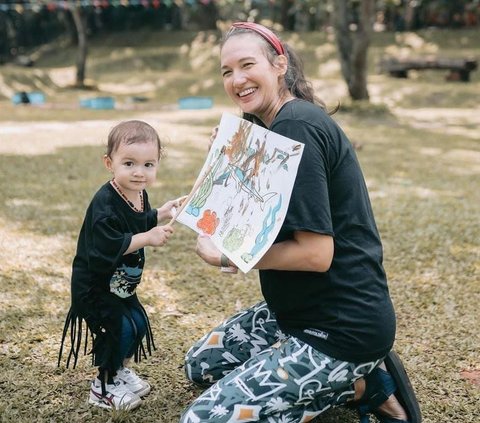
134 166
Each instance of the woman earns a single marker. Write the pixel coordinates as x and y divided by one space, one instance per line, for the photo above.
323 335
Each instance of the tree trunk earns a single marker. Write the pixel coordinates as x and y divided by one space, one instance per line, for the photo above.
353 45
409 15
82 45
285 17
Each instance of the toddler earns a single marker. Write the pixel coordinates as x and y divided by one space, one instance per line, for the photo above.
108 266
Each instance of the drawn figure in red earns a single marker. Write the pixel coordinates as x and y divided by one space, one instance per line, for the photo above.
208 222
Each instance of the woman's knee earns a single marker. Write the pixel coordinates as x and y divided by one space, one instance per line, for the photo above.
204 371
195 370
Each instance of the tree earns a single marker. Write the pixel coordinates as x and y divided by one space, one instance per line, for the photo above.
82 44
353 27
286 14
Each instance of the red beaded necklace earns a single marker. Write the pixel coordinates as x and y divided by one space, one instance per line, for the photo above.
122 194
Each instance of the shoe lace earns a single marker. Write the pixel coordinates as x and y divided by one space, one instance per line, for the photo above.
129 375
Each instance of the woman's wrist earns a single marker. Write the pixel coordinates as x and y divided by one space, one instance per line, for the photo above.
224 262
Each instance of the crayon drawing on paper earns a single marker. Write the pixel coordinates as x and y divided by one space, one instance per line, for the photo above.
248 179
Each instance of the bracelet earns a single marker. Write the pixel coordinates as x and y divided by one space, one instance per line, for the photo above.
224 262
226 266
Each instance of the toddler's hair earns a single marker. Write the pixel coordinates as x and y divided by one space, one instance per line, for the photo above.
131 132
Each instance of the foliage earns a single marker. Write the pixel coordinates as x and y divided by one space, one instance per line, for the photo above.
26 24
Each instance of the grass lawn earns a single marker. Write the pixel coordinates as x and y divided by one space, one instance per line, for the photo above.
419 147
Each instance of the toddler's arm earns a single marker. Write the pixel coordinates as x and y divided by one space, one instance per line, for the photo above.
155 237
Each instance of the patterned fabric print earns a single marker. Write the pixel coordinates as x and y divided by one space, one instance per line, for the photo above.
232 343
287 382
128 275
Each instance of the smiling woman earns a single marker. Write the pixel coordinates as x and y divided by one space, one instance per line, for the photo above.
323 336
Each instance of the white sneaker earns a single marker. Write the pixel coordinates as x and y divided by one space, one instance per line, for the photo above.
132 382
117 396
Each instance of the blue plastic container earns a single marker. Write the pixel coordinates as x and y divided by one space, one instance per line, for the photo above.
99 103
191 103
35 97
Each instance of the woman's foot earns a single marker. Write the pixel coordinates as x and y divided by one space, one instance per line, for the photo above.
387 393
393 409
390 408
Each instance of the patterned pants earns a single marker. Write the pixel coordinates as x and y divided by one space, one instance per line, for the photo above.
257 373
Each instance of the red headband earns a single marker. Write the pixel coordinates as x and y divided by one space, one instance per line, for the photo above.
264 32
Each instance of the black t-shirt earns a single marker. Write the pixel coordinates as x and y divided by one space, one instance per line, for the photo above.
345 312
100 268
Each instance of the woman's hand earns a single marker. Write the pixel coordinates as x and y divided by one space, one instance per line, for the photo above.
207 251
213 135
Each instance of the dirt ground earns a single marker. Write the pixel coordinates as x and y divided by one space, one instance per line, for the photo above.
31 138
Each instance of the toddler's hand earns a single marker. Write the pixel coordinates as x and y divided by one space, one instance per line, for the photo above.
159 235
169 209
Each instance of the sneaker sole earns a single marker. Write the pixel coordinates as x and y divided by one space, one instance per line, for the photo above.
143 392
108 406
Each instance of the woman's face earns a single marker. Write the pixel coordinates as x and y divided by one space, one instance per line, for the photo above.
250 80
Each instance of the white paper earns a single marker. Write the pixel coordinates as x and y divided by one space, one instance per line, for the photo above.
248 179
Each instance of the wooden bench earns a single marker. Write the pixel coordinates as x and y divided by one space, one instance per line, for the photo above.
459 68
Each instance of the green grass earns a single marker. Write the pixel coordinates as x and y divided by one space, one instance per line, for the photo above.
424 189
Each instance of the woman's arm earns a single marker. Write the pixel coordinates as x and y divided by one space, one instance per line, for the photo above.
307 251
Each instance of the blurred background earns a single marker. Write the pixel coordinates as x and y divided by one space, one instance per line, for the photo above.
93 44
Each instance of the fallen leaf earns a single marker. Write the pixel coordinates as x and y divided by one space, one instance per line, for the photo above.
472 376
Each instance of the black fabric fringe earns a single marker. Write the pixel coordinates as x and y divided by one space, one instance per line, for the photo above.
104 344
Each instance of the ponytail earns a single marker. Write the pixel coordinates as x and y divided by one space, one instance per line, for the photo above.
295 79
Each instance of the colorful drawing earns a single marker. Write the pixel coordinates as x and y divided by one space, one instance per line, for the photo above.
262 237
243 189
208 223
200 197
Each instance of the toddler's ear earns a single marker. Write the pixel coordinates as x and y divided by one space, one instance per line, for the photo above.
107 161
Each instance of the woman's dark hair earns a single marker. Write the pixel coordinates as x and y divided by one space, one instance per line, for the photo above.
295 80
